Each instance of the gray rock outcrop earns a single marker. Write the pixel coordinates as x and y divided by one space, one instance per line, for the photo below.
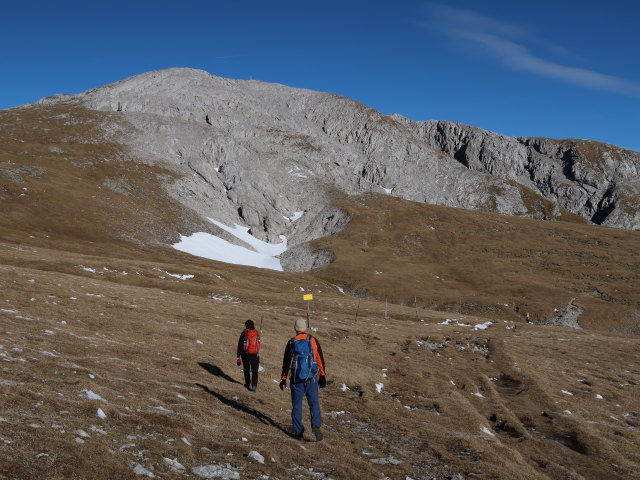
269 157
566 316
599 182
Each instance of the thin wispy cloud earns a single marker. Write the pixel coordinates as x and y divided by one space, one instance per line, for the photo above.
508 44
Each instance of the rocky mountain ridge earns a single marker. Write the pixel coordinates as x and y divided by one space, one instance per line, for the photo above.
597 181
256 153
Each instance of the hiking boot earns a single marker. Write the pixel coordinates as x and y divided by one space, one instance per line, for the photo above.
247 386
300 437
253 389
317 433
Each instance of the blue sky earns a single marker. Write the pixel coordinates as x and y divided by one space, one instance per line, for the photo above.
561 69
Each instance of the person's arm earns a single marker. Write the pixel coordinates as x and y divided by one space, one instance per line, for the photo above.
286 361
319 357
240 349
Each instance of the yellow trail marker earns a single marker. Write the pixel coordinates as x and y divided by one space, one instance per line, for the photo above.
307 298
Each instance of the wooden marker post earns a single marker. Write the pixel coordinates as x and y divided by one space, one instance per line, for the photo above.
308 298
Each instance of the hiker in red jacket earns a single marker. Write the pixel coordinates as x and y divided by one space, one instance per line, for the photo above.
303 358
248 353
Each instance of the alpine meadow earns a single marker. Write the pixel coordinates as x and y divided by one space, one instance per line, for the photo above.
476 296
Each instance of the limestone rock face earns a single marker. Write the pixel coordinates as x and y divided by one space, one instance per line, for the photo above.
269 156
596 181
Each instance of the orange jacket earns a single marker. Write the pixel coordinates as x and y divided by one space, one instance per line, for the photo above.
317 354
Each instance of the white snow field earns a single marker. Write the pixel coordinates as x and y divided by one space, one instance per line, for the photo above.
209 246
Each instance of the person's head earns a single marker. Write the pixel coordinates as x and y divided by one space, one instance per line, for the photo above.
300 325
249 324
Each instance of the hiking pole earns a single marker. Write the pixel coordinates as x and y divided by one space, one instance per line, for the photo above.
357 310
261 322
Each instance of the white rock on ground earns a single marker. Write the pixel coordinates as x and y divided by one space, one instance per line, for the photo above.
256 456
174 465
215 471
140 470
386 461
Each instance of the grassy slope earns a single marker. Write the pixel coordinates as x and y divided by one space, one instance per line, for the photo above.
137 335
482 263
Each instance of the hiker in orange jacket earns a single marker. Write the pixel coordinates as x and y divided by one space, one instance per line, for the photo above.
248 355
303 357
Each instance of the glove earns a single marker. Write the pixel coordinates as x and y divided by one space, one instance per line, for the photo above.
238 361
283 384
322 382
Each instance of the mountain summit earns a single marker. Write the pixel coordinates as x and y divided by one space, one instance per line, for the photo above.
256 153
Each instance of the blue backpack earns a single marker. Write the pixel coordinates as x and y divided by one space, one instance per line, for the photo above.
303 363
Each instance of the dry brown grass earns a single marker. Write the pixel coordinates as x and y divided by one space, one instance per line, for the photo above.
131 333
140 344
482 263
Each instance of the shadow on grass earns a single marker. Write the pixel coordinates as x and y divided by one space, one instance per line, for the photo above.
217 371
267 420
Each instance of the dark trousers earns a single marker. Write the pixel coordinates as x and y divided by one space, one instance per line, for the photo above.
250 364
298 392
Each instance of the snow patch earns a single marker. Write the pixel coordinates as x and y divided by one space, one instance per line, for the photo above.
162 409
295 216
90 395
482 326
262 255
181 277
451 321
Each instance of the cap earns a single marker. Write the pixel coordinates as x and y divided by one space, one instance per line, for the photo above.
301 324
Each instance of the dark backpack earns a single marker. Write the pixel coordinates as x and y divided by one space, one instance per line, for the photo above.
251 341
303 363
